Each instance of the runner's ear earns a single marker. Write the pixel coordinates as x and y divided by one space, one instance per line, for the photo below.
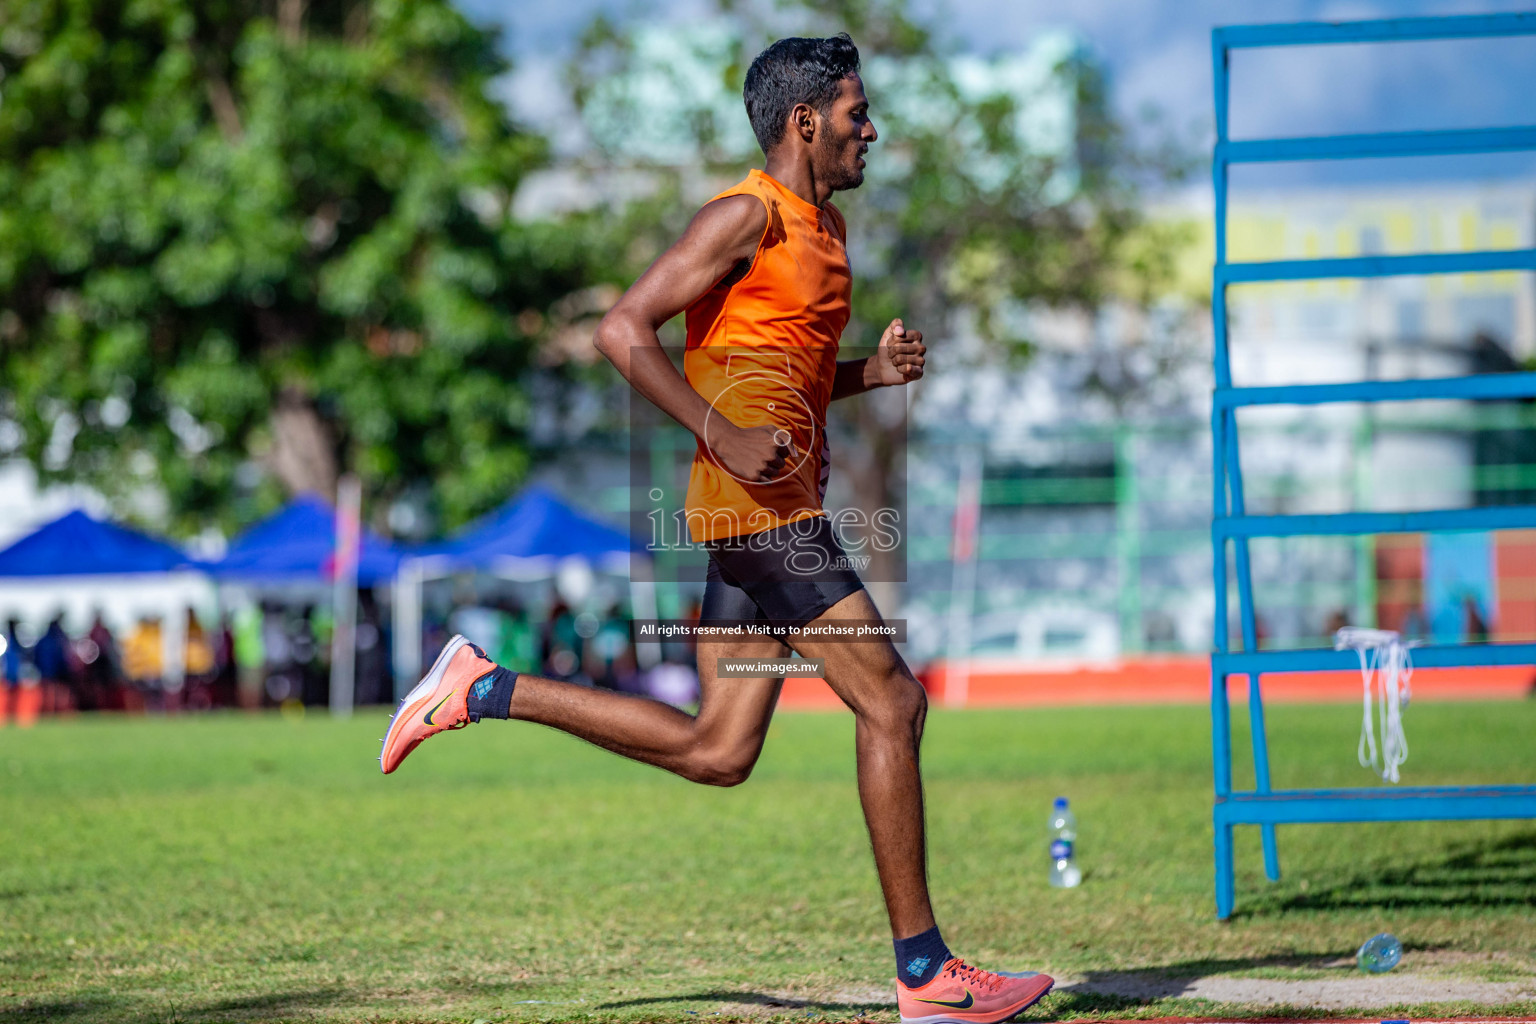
802 121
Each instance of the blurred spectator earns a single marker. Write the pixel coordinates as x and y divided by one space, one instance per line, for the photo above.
101 687
517 646
372 672
250 661
1162 632
225 686
55 667
282 679
309 635
609 655
144 662
1476 627
197 665
11 661
15 655
563 645
1337 620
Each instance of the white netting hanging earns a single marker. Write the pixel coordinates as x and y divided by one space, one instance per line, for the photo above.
1385 670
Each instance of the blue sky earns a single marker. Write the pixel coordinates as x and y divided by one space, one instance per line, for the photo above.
1157 53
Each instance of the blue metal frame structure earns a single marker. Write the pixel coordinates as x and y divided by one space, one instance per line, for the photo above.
1262 805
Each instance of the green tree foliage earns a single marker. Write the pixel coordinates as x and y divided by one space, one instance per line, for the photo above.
246 245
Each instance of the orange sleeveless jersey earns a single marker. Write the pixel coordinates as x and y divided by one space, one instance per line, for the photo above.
764 351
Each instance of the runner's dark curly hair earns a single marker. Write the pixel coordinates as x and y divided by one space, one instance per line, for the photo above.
791 71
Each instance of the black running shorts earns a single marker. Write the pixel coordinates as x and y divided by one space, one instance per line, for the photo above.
786 576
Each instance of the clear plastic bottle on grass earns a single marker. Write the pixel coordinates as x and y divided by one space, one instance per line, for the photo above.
1380 953
1064 870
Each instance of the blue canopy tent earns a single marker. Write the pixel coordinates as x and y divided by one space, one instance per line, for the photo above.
60 562
530 537
77 545
298 544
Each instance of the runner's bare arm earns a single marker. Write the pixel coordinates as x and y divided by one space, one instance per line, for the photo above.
721 236
898 360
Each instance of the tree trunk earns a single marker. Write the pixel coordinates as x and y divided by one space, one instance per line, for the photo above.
303 455
225 111
290 19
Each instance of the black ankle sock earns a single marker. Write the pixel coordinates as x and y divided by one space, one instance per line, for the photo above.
919 958
491 694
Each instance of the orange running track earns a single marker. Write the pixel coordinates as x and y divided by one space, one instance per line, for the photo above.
1182 679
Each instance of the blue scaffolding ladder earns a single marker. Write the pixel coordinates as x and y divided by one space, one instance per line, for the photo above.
1264 806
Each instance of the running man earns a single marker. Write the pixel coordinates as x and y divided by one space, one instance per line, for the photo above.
763 277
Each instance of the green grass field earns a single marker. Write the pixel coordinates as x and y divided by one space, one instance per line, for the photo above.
233 868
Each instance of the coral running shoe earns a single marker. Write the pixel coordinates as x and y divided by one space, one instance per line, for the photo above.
438 702
962 994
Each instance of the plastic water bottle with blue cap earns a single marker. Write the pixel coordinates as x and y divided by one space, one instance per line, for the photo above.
1064 871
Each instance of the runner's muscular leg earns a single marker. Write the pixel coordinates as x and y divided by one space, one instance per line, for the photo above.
717 747
889 705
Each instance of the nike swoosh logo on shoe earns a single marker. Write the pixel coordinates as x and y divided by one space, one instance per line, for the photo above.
958 1004
440 703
